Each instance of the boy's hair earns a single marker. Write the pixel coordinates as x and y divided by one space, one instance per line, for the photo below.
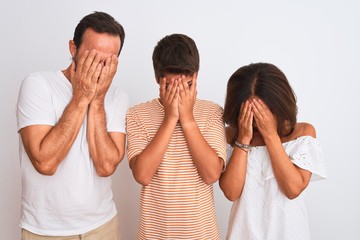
175 54
270 84
100 22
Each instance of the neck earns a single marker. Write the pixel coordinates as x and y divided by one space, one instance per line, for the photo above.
66 73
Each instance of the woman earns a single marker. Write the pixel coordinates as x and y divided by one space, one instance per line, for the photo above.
271 157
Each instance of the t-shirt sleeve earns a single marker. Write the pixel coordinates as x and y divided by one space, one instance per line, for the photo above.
117 120
307 153
34 106
136 135
215 132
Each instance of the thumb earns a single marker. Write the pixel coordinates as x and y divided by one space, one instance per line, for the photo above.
72 69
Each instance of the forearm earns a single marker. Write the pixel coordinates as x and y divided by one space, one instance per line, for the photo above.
145 165
288 176
232 180
47 146
206 160
103 151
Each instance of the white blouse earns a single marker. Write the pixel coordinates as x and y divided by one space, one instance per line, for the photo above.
263 211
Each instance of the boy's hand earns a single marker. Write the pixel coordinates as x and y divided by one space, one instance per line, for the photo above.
187 97
169 97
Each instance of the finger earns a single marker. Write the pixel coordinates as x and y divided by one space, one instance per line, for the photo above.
256 112
162 87
174 89
249 114
88 61
99 73
243 108
72 69
193 82
183 87
94 65
260 105
80 63
113 65
105 71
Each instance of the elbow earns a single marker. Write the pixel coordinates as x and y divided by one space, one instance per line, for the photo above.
106 170
211 179
142 179
231 197
230 194
141 175
43 164
45 168
291 196
212 176
293 193
108 166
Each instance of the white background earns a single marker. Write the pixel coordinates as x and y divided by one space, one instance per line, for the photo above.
316 44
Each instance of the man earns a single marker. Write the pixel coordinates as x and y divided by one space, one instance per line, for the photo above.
72 128
176 148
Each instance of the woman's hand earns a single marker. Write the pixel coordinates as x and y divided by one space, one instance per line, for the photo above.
245 123
264 118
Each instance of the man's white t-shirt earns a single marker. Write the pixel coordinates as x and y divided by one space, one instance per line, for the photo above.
75 199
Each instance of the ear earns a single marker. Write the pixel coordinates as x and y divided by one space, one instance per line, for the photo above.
72 48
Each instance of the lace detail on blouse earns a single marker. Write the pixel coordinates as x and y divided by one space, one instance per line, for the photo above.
263 212
305 152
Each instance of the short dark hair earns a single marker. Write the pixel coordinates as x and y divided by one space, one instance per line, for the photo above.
176 53
100 22
268 83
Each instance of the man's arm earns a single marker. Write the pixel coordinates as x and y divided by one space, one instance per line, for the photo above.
106 148
46 145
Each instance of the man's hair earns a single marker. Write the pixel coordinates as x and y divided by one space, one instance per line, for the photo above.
175 54
100 22
270 84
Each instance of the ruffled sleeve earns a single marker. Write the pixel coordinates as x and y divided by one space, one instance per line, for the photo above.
306 153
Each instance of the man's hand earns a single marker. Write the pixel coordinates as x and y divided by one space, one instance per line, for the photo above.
84 76
106 77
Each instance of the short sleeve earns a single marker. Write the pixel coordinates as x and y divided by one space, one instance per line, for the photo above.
34 106
306 153
215 132
136 135
116 119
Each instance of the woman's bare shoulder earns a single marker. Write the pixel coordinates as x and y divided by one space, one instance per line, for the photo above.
303 129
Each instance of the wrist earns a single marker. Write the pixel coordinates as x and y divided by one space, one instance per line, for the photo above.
243 140
187 123
171 119
242 146
271 138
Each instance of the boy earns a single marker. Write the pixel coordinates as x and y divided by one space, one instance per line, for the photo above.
176 148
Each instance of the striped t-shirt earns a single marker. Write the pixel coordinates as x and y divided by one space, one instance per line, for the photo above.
177 204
